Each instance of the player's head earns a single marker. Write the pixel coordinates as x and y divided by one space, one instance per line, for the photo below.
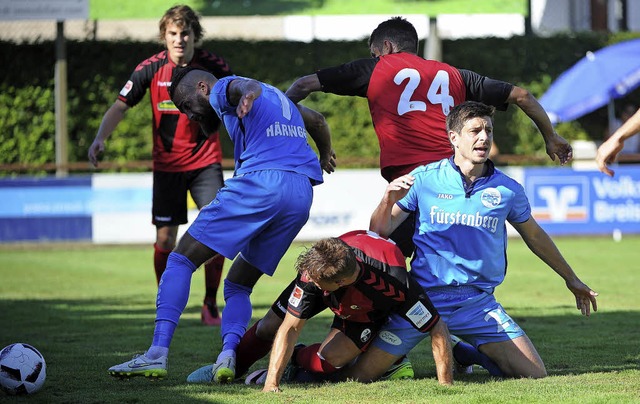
392 36
470 129
182 17
189 90
330 263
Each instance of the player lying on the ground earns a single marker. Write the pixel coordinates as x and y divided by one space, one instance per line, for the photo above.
360 277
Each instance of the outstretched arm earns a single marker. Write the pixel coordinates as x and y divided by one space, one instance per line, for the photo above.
442 353
541 244
556 145
302 87
608 151
319 131
281 352
110 121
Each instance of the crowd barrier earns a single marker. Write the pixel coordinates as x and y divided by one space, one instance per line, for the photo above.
116 208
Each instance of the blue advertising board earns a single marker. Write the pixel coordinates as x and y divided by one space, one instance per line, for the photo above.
568 201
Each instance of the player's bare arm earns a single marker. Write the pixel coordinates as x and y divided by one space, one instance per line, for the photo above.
282 350
319 131
110 121
387 216
541 245
442 353
609 150
242 92
555 144
302 87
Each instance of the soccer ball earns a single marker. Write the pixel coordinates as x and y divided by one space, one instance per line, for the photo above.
22 369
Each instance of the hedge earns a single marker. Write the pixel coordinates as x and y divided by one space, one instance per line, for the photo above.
97 70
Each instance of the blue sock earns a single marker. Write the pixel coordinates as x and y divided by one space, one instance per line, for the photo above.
173 294
236 314
466 354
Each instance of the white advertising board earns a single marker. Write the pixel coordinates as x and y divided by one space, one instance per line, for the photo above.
59 10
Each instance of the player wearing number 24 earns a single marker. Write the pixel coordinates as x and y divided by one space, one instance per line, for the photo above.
410 98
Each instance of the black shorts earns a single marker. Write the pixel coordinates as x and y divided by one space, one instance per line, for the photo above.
170 192
360 333
403 235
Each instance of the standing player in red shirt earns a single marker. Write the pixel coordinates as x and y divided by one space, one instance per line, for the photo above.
186 156
410 98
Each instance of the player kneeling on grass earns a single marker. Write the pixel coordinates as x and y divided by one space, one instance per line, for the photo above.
362 279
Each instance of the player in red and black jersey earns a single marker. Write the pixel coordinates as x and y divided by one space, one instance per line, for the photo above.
409 99
186 155
361 278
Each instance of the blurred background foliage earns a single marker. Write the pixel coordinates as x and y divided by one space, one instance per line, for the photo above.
98 69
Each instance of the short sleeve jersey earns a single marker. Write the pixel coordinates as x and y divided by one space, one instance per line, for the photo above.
460 235
178 143
383 287
271 136
409 99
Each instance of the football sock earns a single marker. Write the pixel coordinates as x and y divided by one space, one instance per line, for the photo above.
251 349
236 314
173 294
310 359
160 257
466 354
156 352
212 275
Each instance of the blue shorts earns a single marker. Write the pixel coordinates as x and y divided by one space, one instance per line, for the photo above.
470 313
258 215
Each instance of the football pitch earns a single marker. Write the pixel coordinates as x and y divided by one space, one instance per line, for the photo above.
87 308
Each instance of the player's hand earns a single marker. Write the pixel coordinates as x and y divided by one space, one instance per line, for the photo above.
95 150
398 188
608 154
558 146
245 104
585 297
271 389
328 163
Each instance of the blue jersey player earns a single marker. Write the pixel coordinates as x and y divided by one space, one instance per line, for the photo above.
253 218
462 206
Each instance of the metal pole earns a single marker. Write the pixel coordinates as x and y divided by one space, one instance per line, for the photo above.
61 138
433 50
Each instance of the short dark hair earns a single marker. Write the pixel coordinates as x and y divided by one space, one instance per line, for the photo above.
183 16
397 30
178 74
461 113
328 259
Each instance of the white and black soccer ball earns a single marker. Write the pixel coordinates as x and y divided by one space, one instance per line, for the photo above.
22 369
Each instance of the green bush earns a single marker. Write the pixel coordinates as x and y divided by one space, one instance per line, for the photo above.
98 69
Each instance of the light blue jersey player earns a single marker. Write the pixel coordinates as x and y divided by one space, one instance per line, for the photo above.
462 205
254 217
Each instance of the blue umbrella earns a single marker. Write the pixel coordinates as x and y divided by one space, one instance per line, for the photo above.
596 80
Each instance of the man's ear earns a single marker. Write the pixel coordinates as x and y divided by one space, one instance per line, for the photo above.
453 138
203 87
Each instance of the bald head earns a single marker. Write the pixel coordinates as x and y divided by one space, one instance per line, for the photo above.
189 91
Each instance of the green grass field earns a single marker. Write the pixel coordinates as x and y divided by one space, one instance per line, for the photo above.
89 307
127 9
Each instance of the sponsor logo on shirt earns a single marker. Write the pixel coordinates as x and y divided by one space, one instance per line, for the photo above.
164 84
278 129
167 105
127 88
390 338
296 296
419 315
441 216
366 334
